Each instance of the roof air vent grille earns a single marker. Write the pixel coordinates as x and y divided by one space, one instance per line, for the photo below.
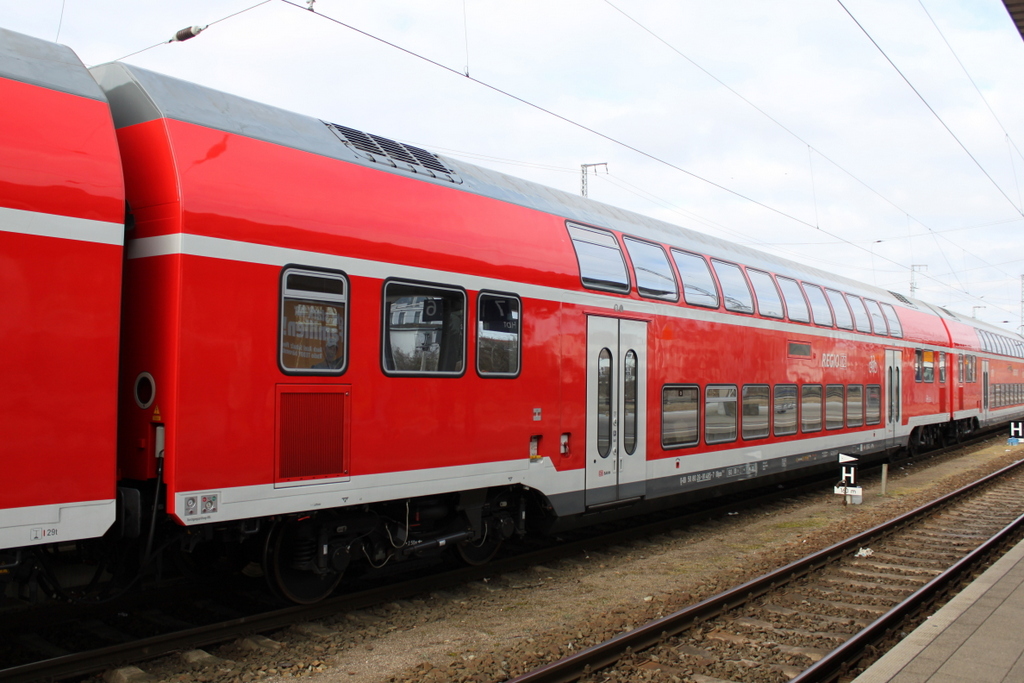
390 152
902 299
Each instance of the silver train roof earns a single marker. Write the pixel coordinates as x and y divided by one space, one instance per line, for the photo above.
49 65
138 95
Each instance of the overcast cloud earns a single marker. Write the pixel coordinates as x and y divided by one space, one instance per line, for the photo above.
915 198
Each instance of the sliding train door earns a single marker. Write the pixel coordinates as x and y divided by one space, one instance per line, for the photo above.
893 394
616 410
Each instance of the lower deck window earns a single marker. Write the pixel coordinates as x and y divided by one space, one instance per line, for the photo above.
785 409
874 404
854 405
497 335
425 329
810 407
313 322
834 406
680 414
719 414
755 411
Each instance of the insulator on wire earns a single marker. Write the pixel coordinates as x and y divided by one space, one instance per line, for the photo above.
187 33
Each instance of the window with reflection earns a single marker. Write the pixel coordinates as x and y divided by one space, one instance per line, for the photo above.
629 397
796 304
873 404
844 320
784 409
601 263
498 331
313 322
769 302
680 408
877 319
755 411
719 414
424 329
834 406
604 403
810 408
735 291
854 405
698 285
861 320
895 329
654 276
819 305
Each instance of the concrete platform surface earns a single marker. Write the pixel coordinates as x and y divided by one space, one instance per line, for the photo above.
978 636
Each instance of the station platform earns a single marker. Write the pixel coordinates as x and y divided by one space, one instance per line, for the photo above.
978 636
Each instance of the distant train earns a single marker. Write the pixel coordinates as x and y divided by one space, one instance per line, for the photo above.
311 347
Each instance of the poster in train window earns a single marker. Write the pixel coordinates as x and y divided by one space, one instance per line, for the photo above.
313 322
424 329
498 332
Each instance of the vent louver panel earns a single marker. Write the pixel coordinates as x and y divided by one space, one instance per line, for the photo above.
393 153
903 299
311 435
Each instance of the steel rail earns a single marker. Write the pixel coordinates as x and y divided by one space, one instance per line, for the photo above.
601 655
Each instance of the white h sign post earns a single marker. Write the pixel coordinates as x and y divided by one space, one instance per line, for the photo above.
847 486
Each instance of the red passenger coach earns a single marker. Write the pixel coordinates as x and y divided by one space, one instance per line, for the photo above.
61 233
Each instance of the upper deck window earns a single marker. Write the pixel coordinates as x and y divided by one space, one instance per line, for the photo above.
860 313
313 322
819 305
769 303
895 329
735 289
654 276
796 304
699 287
877 319
601 263
844 320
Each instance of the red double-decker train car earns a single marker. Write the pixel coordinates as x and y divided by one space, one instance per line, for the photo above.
338 348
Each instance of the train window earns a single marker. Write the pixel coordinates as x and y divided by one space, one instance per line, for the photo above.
819 306
796 304
810 408
895 330
498 331
755 411
424 329
629 386
860 313
680 413
698 285
927 366
918 364
854 405
313 322
654 276
735 290
960 368
877 319
769 302
843 319
834 406
719 414
600 260
785 409
942 366
873 404
604 403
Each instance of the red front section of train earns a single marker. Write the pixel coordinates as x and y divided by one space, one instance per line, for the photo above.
61 225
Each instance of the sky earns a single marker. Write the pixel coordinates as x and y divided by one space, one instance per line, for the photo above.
877 139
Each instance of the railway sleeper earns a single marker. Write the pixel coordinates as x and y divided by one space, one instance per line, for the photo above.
759 625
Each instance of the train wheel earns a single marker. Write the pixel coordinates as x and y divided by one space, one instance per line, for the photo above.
480 552
289 563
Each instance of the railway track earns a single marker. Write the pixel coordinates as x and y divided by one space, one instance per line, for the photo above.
818 618
91 639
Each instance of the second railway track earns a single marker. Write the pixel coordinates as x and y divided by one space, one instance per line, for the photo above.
815 619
